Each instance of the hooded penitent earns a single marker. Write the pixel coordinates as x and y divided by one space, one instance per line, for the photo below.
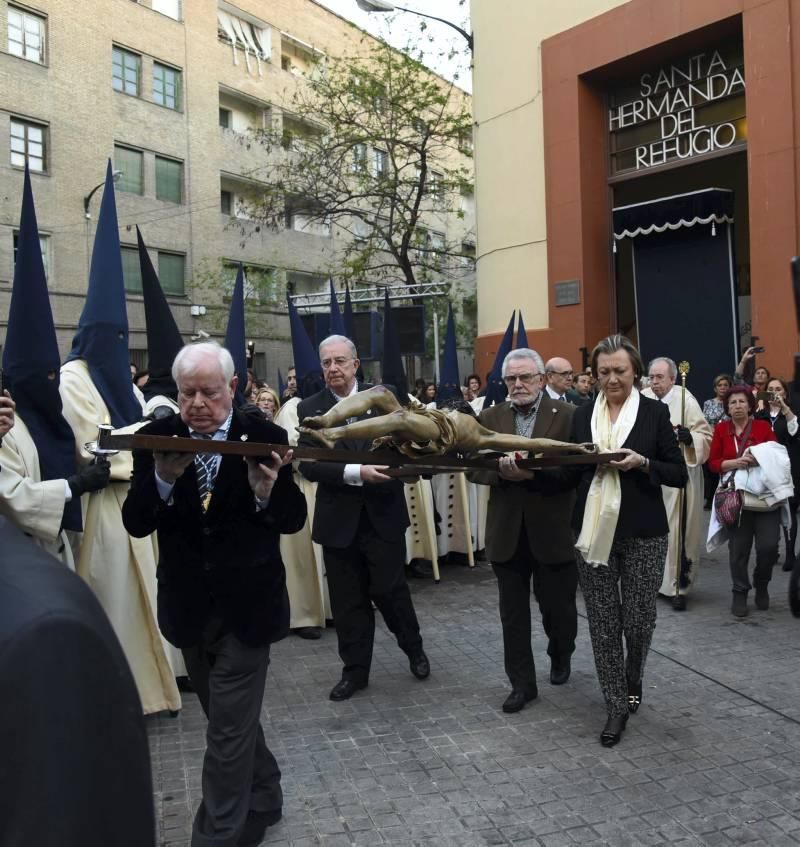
164 340
337 326
31 362
393 373
306 360
449 387
234 336
522 336
102 336
495 387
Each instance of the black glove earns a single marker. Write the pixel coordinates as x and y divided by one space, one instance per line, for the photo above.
683 435
93 477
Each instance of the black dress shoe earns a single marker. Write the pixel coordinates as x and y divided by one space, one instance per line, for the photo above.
679 602
311 632
634 697
560 670
184 685
517 699
420 666
346 688
612 732
419 569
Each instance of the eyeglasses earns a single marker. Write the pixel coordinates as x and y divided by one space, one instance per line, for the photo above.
561 373
525 379
339 361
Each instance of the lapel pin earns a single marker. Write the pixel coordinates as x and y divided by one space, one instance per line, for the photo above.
243 437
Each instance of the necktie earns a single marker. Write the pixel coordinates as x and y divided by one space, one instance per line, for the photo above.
205 464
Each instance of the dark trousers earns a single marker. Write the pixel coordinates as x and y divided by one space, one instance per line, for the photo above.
764 529
370 570
710 483
621 599
241 779
554 588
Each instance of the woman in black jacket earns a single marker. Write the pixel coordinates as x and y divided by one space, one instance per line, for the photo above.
621 521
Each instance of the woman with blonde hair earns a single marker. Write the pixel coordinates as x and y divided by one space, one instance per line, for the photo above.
267 400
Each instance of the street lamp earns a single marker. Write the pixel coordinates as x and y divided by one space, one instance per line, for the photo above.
384 6
115 175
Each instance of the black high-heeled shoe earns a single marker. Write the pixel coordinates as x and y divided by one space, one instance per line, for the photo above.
634 697
612 731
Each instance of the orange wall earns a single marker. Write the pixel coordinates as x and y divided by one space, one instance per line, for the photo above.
576 165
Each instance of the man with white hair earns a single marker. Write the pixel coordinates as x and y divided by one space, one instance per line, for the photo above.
360 519
529 536
222 586
694 435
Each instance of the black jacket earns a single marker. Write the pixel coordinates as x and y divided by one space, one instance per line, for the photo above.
76 765
339 507
642 513
226 561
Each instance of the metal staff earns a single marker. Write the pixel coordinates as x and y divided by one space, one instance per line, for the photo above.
683 370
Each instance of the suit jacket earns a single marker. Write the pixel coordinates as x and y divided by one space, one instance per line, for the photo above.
339 506
514 506
642 513
226 561
86 746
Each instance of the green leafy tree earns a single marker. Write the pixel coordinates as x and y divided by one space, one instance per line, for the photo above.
377 147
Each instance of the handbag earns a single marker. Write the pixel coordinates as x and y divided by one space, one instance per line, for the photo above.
728 502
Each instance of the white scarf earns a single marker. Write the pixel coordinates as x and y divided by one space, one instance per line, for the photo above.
605 493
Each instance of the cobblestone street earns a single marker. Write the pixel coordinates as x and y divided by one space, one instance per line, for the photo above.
711 758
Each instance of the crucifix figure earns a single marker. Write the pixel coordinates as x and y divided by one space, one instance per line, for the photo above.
419 431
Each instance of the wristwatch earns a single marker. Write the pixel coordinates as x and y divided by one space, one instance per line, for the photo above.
645 465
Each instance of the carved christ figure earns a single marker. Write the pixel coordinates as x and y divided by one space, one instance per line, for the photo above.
418 431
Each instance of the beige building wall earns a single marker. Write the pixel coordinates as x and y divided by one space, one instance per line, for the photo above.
509 153
71 94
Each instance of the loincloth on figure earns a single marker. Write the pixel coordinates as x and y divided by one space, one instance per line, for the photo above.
445 442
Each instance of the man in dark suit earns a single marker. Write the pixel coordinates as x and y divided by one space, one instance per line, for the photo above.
360 520
221 583
528 535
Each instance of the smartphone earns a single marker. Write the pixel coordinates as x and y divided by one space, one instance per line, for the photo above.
759 349
764 395
795 264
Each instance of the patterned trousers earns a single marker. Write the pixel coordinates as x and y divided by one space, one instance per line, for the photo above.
621 599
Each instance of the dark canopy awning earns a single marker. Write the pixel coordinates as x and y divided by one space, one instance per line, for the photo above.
709 206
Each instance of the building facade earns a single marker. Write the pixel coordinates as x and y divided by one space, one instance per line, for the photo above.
169 90
648 181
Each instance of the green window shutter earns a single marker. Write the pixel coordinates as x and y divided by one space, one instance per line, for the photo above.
131 163
171 272
131 270
166 86
169 180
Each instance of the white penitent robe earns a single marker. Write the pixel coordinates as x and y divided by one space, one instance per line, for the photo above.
121 570
451 495
695 454
309 602
34 506
421 532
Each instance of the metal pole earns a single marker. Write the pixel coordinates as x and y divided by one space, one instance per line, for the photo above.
435 346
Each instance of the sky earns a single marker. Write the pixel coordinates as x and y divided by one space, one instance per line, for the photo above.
399 27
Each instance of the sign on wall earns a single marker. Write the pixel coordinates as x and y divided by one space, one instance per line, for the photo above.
689 108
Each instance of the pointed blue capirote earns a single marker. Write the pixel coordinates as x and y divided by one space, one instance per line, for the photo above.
281 384
31 361
495 387
449 387
393 372
522 336
164 340
337 326
102 336
349 320
235 336
306 360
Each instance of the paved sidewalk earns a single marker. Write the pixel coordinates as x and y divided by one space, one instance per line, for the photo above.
711 758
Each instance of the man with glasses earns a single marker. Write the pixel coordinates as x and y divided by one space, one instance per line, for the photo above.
529 536
360 520
558 375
